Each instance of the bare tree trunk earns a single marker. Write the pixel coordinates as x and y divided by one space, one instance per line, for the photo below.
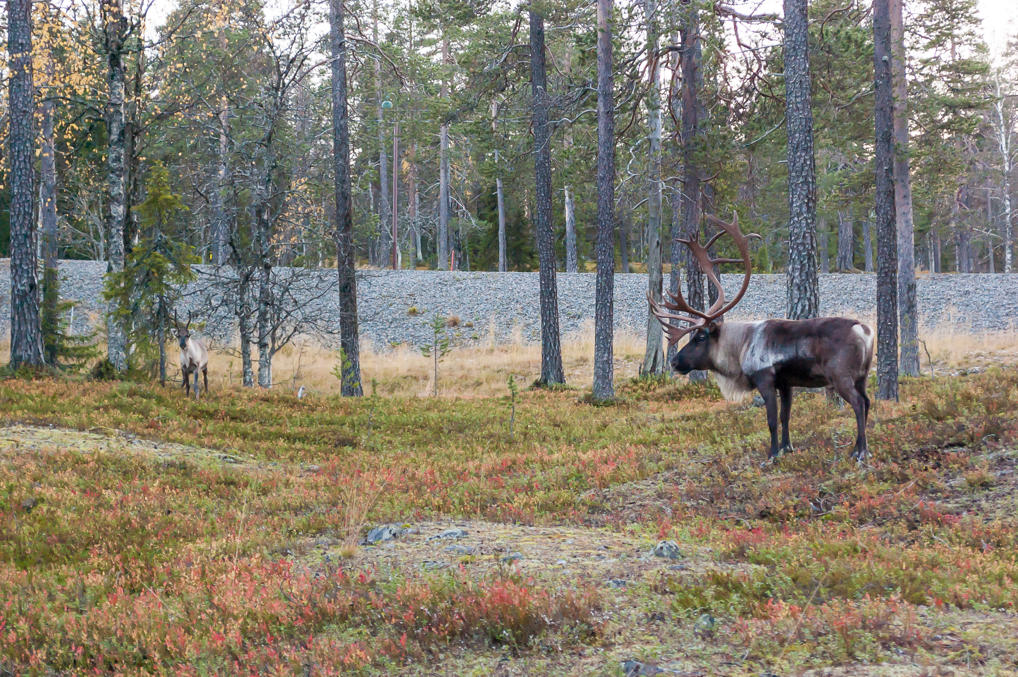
1004 130
442 247
48 182
689 196
803 289
384 211
653 357
867 244
822 245
887 236
115 27
26 330
551 351
350 367
412 205
220 219
263 314
503 258
623 222
604 388
50 320
908 312
499 196
572 260
244 328
846 242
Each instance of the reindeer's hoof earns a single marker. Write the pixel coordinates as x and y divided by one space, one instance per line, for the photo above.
861 456
787 449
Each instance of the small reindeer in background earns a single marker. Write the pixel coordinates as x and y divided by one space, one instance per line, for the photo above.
194 357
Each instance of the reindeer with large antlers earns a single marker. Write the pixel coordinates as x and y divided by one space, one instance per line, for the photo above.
194 357
772 356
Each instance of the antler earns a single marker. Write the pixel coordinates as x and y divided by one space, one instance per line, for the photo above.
742 243
697 318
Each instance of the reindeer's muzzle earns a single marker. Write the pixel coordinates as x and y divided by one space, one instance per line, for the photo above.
183 343
681 364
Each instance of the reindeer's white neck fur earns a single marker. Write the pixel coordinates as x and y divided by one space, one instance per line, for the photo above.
193 355
733 340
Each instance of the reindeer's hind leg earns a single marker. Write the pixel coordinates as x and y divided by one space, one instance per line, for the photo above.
860 387
205 376
195 384
860 405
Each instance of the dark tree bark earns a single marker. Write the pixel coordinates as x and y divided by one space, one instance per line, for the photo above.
803 289
383 238
887 236
604 388
908 311
345 262
654 357
688 195
26 330
551 350
115 29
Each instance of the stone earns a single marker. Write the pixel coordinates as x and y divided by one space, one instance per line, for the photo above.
704 624
449 534
509 300
433 565
667 550
385 532
512 557
634 668
459 549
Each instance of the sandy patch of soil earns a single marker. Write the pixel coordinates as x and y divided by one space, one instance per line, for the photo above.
38 439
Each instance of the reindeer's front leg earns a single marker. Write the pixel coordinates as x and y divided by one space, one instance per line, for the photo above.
186 385
785 392
764 382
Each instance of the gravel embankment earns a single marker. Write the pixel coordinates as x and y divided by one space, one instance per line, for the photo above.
508 302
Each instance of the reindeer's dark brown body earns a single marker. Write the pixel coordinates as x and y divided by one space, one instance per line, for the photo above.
772 356
775 356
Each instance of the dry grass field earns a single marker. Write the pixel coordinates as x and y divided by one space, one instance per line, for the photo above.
144 533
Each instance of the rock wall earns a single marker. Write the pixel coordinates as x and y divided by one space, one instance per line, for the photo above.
396 307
